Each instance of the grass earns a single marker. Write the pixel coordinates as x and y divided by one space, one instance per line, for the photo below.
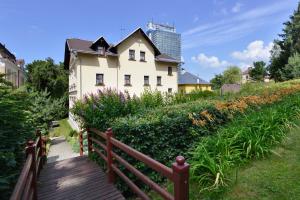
276 177
62 130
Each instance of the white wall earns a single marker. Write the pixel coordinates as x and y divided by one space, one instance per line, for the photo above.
84 68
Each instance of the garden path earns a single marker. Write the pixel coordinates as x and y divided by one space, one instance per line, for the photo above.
60 149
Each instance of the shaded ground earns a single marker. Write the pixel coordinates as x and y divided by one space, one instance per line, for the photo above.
60 149
75 178
274 178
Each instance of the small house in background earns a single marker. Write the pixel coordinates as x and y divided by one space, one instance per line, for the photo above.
246 78
246 75
11 67
188 82
230 88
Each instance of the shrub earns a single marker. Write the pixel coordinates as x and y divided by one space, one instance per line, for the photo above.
168 131
44 109
16 128
102 108
73 133
250 136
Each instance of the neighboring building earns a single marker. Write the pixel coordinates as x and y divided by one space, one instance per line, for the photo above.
165 39
189 82
247 78
230 88
134 65
11 67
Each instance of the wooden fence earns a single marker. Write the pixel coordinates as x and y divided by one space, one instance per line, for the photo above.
26 187
178 174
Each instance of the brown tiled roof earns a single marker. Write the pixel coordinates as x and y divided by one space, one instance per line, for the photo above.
86 46
79 45
6 53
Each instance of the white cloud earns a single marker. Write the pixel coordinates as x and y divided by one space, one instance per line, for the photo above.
210 61
236 8
234 27
255 51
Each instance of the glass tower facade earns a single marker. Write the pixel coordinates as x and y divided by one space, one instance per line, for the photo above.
165 39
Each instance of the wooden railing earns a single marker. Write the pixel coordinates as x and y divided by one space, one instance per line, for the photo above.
35 158
178 174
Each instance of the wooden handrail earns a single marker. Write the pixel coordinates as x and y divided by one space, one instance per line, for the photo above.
35 157
157 166
178 174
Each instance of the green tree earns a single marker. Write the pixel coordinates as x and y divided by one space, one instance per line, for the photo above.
46 75
285 47
4 83
217 81
292 69
232 74
258 71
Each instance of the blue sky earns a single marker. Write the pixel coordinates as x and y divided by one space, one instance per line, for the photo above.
215 33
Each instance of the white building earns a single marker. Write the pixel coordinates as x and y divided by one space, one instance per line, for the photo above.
133 64
12 68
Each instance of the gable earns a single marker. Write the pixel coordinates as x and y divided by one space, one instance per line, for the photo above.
142 34
135 42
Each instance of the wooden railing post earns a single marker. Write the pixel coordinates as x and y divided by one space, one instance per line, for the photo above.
90 148
110 172
81 143
181 179
43 150
30 149
40 145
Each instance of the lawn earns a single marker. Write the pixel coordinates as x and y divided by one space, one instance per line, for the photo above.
62 130
274 178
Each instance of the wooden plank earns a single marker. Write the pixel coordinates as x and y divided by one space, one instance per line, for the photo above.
75 178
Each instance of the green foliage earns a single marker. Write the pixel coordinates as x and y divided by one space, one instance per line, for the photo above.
167 129
103 108
275 177
285 47
246 137
15 129
232 74
292 68
258 72
151 99
45 109
4 84
73 133
46 75
217 81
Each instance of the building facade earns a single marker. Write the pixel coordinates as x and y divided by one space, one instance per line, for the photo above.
11 67
189 82
134 64
246 78
165 39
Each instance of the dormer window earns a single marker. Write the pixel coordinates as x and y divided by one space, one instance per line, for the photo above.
101 50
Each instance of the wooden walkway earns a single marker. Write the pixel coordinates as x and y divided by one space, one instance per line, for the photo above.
75 178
